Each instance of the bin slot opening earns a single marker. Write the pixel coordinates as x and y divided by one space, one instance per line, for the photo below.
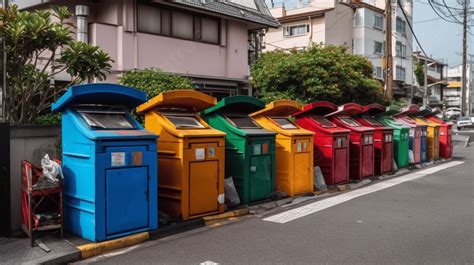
188 120
284 123
349 121
373 122
242 121
321 120
109 119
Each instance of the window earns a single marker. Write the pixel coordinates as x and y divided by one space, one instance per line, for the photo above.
184 25
285 123
400 50
243 122
401 26
295 30
378 22
378 72
378 47
107 119
349 121
182 121
373 122
323 121
400 75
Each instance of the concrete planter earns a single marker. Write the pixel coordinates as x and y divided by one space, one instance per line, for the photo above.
28 142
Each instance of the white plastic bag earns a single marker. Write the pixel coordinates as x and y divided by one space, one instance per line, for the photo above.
51 169
411 157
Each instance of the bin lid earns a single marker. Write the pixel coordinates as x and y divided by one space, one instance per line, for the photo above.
436 111
191 100
242 104
373 109
279 108
348 109
100 93
409 110
390 111
319 107
424 111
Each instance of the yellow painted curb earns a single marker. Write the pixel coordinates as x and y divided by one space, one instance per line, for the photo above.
94 249
234 213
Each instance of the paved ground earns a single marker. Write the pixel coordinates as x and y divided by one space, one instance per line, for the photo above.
426 220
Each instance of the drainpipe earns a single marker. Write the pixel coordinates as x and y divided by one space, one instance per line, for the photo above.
310 31
82 12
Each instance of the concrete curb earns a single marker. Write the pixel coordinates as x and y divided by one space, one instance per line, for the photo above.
209 220
94 249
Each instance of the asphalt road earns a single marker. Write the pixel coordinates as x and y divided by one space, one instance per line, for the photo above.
428 219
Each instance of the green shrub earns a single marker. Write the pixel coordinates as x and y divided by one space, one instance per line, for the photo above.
154 81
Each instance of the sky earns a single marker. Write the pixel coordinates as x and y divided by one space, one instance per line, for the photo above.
440 39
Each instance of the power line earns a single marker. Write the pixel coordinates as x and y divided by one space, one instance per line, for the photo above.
411 28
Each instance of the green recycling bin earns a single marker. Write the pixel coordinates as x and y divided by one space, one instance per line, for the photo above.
249 149
400 132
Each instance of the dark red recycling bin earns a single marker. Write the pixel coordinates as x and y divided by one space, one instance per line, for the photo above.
415 132
361 138
445 131
383 137
331 143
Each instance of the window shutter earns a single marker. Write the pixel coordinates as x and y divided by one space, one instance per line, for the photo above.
307 28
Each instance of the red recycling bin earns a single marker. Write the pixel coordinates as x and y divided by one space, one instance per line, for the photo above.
361 163
415 130
445 131
331 143
383 137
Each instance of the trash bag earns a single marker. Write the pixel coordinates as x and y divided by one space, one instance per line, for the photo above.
395 166
51 169
319 182
231 196
278 195
411 157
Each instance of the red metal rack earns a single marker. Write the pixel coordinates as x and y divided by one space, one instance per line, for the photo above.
37 200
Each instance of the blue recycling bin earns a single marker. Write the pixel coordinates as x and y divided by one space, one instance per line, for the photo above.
423 144
109 163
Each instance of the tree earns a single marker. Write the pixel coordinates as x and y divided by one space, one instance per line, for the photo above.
39 46
420 73
154 81
318 73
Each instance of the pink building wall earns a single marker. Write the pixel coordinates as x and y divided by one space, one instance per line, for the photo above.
108 29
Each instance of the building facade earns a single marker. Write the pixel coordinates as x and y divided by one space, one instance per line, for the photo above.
204 40
455 85
437 81
360 25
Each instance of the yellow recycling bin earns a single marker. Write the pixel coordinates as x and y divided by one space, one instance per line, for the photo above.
432 139
294 147
190 154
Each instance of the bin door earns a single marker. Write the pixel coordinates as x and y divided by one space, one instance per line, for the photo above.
302 175
367 160
203 187
340 165
260 177
126 199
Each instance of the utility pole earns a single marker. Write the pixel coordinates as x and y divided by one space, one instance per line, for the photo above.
425 84
388 51
464 60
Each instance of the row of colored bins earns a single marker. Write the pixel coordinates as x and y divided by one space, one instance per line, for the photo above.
110 161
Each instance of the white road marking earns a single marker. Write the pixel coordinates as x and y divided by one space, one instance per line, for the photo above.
311 208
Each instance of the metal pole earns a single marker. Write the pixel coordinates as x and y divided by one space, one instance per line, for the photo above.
464 60
388 52
3 73
425 84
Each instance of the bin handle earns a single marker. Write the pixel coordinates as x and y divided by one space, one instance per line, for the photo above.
166 153
232 148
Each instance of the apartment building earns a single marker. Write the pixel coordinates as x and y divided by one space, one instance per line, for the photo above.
205 40
437 80
358 24
453 90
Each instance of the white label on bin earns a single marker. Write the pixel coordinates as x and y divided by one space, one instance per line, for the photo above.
212 151
221 198
257 149
200 153
298 147
118 159
253 168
